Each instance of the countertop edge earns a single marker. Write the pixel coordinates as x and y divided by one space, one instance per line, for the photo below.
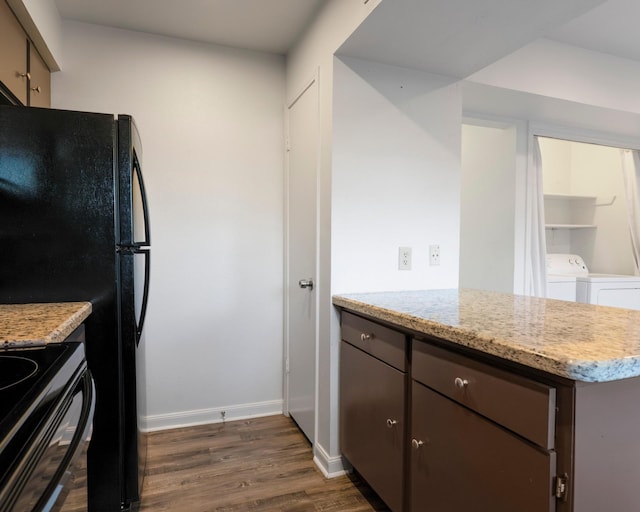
56 334
573 369
70 324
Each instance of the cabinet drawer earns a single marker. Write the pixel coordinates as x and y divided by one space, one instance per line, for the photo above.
381 342
523 406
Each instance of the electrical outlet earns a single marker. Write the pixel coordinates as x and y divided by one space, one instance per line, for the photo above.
404 258
434 254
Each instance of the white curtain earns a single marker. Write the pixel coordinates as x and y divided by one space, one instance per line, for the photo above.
536 245
630 172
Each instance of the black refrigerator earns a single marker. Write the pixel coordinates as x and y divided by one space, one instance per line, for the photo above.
74 226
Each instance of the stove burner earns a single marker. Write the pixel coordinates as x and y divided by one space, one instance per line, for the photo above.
15 369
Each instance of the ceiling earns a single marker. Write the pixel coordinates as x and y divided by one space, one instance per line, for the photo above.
264 25
611 27
456 37
412 33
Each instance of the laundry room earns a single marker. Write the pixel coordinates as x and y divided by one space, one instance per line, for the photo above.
584 204
587 223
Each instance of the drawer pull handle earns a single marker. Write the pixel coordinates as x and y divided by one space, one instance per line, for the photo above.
365 337
391 423
415 444
461 383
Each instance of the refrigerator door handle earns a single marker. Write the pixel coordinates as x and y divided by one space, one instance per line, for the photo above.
145 293
145 206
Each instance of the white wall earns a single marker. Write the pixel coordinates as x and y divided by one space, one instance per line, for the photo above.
488 208
396 177
211 122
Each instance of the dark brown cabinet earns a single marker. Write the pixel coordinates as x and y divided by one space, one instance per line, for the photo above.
480 433
373 406
480 440
461 461
430 429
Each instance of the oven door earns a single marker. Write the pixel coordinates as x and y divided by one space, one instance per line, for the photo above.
49 468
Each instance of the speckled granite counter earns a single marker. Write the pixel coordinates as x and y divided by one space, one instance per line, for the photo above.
30 325
579 341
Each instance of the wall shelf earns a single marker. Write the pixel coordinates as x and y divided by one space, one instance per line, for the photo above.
570 197
574 197
570 226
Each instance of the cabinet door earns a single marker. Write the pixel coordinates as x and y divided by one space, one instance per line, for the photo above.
40 84
461 461
372 412
13 54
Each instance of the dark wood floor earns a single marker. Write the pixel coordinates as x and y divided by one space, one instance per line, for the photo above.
263 464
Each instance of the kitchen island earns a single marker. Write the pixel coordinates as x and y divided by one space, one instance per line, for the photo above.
34 325
479 401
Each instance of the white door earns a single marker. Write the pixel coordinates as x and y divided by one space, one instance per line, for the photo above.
301 303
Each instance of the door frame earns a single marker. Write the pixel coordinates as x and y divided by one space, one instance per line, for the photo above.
287 245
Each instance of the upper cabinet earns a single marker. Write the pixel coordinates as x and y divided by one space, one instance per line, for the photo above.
40 81
23 73
13 54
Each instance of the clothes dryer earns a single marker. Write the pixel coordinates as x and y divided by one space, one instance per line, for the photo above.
622 291
609 290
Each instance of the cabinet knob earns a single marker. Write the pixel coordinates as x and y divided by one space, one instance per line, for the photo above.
391 423
415 444
365 337
37 89
25 75
461 383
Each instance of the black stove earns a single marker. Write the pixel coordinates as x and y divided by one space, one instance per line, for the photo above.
46 408
15 369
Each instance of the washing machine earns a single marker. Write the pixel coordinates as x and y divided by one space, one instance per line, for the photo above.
622 291
561 281
562 287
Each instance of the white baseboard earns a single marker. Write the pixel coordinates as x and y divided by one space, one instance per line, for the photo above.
331 467
214 415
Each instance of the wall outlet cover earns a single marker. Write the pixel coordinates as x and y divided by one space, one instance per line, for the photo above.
434 254
404 258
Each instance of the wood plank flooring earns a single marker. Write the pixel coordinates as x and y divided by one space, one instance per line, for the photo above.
262 464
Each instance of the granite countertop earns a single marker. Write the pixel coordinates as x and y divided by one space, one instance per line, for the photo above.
582 342
32 325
